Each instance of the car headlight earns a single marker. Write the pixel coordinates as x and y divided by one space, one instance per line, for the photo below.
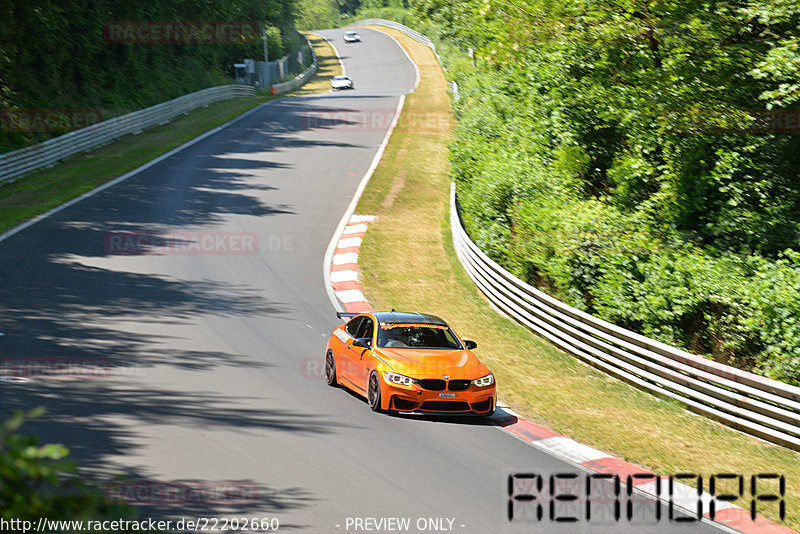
484 381
394 378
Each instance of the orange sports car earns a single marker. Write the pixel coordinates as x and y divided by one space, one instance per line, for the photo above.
409 362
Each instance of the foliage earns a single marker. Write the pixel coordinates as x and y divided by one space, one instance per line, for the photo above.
54 55
777 22
318 14
275 45
321 14
638 159
37 481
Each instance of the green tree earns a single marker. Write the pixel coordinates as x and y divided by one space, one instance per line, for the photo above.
55 54
779 24
318 14
38 481
622 155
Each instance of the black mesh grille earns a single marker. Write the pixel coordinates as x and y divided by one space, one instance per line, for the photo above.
445 406
403 404
483 406
433 384
458 385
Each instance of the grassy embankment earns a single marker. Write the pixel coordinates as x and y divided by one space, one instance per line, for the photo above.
409 263
40 191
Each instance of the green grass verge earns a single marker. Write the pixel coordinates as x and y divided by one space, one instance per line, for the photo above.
328 66
33 194
409 263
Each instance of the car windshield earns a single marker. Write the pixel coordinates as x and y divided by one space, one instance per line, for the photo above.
340 78
417 336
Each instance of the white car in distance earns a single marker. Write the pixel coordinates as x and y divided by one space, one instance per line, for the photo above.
352 37
341 82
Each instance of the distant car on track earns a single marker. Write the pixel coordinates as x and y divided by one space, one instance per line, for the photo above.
351 37
409 362
341 82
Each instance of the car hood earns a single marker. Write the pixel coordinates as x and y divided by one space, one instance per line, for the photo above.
421 363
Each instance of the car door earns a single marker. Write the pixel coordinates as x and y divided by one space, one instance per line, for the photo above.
350 360
361 357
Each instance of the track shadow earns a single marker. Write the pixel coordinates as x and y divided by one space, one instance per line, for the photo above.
64 299
444 418
174 500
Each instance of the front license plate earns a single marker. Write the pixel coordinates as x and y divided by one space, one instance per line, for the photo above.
448 395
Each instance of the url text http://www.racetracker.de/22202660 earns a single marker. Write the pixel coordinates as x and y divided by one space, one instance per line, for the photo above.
195 524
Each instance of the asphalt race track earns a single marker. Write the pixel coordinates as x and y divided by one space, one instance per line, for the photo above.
206 368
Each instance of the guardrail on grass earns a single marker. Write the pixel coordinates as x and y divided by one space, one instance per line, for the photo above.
24 160
291 85
397 26
454 89
46 154
754 404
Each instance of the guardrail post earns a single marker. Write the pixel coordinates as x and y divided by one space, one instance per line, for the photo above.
18 162
753 404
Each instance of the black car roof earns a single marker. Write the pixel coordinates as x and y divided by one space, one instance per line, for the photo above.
404 317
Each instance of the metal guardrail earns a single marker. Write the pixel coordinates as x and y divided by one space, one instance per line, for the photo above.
397 26
754 404
291 85
454 89
24 160
757 405
46 154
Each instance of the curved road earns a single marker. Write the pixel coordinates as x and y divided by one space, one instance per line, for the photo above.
210 364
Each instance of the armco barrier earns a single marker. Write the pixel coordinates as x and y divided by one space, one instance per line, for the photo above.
759 406
424 39
18 162
397 26
291 85
24 160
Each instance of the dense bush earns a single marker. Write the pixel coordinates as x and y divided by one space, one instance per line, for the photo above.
630 159
55 54
36 481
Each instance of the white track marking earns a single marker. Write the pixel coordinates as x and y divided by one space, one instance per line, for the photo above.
351 295
349 242
344 276
125 176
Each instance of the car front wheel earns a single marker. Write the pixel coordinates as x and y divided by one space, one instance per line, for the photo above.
330 369
374 392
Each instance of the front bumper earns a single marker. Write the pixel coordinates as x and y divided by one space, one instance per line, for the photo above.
414 398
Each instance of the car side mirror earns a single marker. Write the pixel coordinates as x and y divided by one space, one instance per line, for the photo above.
363 342
470 344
